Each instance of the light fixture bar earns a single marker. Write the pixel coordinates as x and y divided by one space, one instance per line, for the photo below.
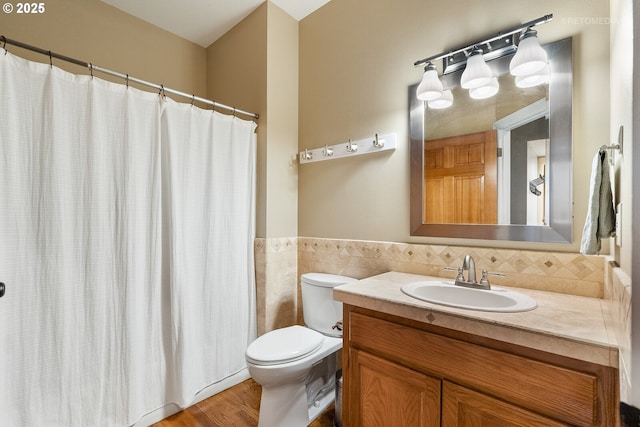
542 20
492 50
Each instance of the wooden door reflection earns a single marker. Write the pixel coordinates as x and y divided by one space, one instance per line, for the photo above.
460 179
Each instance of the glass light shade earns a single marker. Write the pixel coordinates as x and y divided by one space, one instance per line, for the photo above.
445 101
530 56
486 91
430 87
477 73
535 79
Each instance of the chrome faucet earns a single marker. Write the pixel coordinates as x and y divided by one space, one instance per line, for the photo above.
469 264
471 281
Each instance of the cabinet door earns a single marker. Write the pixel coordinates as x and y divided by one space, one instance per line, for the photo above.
385 394
466 408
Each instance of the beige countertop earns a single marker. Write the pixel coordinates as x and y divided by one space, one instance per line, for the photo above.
566 325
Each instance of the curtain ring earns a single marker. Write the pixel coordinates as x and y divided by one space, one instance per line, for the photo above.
4 45
126 81
50 60
234 111
91 69
193 98
213 106
161 93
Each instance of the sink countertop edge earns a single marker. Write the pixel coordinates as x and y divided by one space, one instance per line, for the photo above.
561 324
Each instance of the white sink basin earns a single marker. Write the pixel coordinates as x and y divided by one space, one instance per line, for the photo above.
446 293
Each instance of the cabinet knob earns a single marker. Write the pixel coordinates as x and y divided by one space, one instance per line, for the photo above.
2 288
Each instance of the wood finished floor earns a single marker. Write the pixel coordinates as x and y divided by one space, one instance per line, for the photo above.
235 407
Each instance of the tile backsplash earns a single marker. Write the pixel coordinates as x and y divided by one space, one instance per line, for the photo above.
568 273
281 261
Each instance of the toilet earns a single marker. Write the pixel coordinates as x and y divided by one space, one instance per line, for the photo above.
296 365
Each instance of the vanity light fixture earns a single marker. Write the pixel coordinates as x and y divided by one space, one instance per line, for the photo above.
477 73
430 87
486 91
535 79
445 101
530 59
530 56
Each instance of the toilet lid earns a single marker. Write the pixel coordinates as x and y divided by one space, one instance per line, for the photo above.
284 345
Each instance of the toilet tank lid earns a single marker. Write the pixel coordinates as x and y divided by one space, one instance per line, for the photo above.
326 280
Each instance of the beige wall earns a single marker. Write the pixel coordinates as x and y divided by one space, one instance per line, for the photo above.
356 62
621 115
237 65
282 109
255 64
237 74
95 32
622 70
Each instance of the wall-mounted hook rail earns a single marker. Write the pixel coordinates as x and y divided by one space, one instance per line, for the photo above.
375 144
306 155
378 142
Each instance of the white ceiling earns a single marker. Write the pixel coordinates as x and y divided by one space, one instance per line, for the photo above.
204 21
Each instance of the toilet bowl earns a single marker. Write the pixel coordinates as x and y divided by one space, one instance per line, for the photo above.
296 365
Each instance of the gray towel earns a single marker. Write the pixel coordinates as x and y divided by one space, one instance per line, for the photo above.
601 218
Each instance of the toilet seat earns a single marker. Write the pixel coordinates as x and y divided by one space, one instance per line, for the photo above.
284 345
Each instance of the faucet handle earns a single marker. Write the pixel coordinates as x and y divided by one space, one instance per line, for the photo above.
485 280
460 276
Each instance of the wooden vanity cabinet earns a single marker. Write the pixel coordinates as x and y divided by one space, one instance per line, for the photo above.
391 394
464 407
399 372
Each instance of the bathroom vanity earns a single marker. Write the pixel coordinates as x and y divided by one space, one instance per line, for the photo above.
408 362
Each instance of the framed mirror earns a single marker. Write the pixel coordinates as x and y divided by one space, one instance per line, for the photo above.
523 137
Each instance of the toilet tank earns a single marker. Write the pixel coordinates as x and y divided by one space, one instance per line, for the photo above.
320 311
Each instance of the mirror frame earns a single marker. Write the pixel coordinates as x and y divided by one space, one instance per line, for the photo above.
560 171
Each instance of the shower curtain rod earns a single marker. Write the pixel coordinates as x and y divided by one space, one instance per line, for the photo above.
92 67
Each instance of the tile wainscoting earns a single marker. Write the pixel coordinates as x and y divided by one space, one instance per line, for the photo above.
281 261
276 262
617 291
568 273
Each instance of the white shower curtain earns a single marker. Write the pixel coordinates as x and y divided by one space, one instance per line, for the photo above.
211 230
126 236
